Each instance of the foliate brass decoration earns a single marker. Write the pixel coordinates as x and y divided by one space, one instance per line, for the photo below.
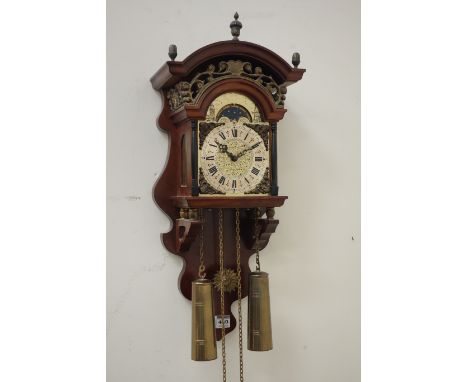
205 187
179 95
264 186
204 130
229 282
186 92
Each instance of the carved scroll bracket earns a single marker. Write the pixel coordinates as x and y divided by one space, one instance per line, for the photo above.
187 228
264 227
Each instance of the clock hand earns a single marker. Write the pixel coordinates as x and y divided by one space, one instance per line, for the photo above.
243 152
224 149
232 156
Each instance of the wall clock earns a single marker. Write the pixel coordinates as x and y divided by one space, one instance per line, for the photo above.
219 187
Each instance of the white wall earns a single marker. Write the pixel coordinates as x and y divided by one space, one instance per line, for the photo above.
312 259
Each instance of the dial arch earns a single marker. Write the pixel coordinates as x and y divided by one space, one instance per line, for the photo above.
258 95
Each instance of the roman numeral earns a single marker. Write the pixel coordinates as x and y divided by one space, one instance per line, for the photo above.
221 134
213 170
211 157
246 136
234 133
255 171
213 145
222 180
246 180
257 159
234 183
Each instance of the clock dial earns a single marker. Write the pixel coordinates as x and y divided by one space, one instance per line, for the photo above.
234 158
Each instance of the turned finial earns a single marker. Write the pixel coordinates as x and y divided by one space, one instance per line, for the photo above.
296 59
172 52
236 26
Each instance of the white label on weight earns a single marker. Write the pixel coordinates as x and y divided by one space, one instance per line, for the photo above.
219 323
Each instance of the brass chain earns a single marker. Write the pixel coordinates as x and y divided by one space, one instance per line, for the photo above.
257 235
239 296
201 268
221 273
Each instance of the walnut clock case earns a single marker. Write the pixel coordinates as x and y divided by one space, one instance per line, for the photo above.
221 107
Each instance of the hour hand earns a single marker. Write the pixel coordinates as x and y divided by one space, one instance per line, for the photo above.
231 156
222 147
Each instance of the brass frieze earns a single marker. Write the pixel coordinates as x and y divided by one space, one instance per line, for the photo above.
187 92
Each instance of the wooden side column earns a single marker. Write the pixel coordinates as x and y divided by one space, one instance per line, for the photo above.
274 160
195 188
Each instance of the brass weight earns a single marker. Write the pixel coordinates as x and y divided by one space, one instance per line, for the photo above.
203 331
259 319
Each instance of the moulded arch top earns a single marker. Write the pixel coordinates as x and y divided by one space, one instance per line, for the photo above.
174 71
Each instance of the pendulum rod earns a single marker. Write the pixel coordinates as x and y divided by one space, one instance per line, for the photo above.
257 234
201 268
221 273
239 296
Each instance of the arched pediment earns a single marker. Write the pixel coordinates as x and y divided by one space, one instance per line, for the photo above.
174 71
185 81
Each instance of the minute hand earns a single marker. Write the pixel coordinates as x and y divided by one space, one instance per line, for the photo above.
246 150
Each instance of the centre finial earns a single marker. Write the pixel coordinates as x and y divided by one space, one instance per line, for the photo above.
235 27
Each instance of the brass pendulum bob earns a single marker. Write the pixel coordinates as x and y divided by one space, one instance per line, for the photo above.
259 323
203 331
